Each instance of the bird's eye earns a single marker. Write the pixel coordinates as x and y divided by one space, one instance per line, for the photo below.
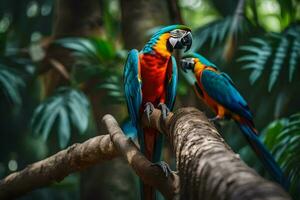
177 33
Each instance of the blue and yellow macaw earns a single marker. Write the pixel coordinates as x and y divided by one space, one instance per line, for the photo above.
150 81
219 92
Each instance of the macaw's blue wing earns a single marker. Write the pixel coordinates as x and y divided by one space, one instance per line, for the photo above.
220 87
172 83
129 129
133 88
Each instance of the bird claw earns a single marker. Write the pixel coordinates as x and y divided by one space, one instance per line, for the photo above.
164 167
214 119
164 109
149 108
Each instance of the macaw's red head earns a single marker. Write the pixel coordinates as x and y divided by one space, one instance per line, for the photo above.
169 38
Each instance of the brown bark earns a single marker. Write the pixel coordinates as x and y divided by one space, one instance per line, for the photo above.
175 14
80 156
57 167
208 168
77 18
138 17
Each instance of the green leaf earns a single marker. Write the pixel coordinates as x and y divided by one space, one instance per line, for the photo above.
278 61
64 131
283 138
70 107
294 58
278 51
11 84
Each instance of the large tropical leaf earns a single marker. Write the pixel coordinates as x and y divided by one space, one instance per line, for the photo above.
219 31
11 84
95 49
283 138
97 59
68 108
278 52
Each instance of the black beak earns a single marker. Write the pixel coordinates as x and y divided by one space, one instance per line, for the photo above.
187 64
187 41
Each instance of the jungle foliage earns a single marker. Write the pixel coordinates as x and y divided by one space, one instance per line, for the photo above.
257 42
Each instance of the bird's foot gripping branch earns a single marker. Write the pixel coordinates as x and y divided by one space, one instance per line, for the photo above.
207 167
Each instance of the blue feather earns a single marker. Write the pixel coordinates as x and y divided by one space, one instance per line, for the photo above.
133 91
172 85
129 129
219 87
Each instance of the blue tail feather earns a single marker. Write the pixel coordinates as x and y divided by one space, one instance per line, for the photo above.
267 159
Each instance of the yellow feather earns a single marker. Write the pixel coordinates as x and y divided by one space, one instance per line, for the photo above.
161 45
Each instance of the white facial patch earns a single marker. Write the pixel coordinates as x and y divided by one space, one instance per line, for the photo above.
173 41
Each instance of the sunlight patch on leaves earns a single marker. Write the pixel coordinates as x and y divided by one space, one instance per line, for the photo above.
66 109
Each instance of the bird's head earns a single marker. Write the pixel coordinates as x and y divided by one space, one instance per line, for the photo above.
170 38
180 38
195 60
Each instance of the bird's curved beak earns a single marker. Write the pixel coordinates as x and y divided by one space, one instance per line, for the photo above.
187 41
187 64
184 41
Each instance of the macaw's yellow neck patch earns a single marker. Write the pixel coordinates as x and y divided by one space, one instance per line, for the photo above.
161 45
199 67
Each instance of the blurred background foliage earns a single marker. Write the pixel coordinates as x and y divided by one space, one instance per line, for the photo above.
61 65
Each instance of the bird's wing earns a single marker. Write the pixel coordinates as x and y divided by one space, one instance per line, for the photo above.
133 86
221 88
172 79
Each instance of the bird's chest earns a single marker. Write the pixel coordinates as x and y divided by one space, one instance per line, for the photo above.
205 96
153 75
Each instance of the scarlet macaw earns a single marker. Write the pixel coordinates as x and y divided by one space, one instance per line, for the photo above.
150 81
219 93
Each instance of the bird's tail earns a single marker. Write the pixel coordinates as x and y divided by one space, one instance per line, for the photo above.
151 147
265 156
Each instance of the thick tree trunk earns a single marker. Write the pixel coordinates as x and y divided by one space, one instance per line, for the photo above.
138 17
77 18
207 167
175 14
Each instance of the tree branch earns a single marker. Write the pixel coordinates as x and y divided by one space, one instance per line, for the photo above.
150 174
55 168
80 156
208 168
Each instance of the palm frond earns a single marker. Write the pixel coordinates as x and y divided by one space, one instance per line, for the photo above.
11 84
95 50
214 33
257 59
282 137
114 89
98 59
218 32
69 108
279 51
